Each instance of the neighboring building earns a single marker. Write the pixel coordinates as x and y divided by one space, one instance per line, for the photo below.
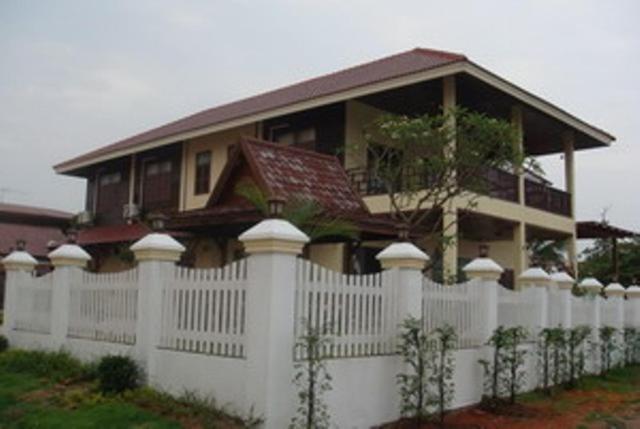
38 229
182 168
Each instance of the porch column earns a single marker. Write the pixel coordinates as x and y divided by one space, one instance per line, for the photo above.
568 139
516 121
519 251
450 245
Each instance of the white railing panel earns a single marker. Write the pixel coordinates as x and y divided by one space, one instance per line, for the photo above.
519 308
33 302
459 306
359 312
203 310
103 307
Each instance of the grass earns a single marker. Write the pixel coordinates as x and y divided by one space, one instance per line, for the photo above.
54 390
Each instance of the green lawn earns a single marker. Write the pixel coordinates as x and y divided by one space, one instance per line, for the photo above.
21 408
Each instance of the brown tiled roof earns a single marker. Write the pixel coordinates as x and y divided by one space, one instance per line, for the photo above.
37 237
286 172
394 66
117 234
17 210
593 229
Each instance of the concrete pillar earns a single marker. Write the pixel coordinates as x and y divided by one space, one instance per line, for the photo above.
633 295
406 262
519 251
18 266
593 288
569 167
616 292
156 254
487 273
540 280
273 246
517 122
69 260
564 283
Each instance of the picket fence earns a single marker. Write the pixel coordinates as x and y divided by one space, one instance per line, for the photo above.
519 308
203 310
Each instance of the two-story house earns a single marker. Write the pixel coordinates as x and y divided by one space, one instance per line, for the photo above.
301 140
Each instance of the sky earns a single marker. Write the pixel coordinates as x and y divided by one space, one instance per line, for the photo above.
76 75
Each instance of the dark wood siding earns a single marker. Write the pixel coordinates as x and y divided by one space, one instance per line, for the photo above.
327 121
158 186
111 193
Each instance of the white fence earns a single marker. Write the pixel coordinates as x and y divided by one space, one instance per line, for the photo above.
519 308
556 308
103 307
203 310
581 311
609 313
458 306
34 305
358 311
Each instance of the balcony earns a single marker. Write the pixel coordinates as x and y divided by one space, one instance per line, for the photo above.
501 185
544 197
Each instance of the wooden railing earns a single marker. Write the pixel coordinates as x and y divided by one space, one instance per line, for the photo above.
544 197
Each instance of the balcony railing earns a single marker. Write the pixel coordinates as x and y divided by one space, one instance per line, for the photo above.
544 197
500 184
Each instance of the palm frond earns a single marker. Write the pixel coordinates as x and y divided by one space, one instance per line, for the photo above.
248 190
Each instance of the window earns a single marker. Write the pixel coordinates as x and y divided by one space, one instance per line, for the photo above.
203 172
110 179
155 168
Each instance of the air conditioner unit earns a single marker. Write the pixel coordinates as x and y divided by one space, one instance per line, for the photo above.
85 218
130 211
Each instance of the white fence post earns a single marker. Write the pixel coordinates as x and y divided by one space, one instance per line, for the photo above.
407 262
273 246
593 288
156 254
68 260
540 280
565 283
615 292
18 266
633 295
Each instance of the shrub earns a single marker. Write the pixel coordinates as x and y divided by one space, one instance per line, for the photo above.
117 374
4 343
576 341
608 346
56 366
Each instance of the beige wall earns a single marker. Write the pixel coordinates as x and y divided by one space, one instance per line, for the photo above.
114 264
359 115
500 251
330 255
218 143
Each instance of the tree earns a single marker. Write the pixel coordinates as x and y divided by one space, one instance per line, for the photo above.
308 215
413 161
597 261
548 254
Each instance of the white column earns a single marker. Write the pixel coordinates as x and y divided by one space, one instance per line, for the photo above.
564 283
593 288
517 122
615 292
539 279
406 262
68 260
273 246
633 295
156 254
519 251
18 266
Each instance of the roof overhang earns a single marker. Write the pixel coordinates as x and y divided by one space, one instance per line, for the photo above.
593 230
463 66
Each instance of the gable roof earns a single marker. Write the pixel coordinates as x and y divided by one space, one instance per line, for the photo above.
31 214
287 172
412 66
393 66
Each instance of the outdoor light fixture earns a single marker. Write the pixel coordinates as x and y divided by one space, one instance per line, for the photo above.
483 250
158 221
72 236
276 207
403 232
21 245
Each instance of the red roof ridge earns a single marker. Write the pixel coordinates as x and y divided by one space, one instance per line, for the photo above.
286 148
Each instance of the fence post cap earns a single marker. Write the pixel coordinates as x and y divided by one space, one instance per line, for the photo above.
591 284
633 291
157 246
69 255
614 289
535 276
274 236
563 280
402 255
483 268
19 260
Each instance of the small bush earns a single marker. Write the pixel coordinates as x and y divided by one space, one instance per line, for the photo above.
56 366
4 343
117 374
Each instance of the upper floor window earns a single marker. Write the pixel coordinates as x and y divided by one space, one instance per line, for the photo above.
110 179
203 172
